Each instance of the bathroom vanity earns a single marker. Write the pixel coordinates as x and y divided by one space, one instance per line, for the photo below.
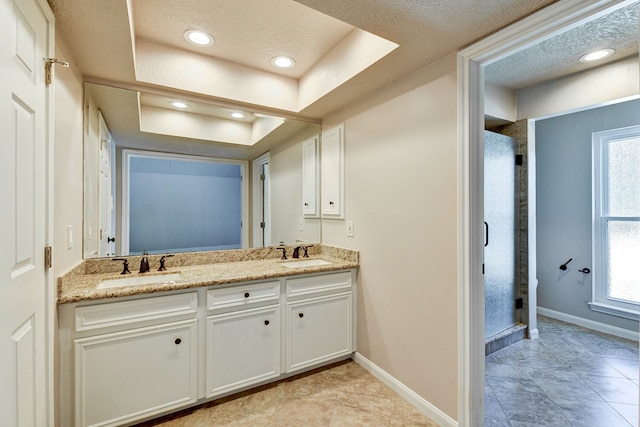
134 352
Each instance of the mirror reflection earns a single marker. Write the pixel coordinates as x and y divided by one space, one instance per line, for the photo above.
163 178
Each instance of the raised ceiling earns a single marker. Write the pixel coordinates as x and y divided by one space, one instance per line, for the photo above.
345 50
135 42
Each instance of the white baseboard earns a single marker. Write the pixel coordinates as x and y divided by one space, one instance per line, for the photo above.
590 324
405 392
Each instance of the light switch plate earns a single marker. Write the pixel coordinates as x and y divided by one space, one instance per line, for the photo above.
301 224
349 228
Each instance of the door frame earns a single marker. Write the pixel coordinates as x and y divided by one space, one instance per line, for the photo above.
51 290
542 25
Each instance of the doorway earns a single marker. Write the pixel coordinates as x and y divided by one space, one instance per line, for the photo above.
550 21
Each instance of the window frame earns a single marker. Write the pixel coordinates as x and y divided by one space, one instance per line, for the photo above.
601 302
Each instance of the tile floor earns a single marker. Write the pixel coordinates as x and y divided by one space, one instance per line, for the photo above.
343 395
570 376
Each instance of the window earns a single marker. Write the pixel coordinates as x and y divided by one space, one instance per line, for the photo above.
616 221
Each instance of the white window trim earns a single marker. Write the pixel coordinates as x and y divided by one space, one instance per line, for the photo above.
600 301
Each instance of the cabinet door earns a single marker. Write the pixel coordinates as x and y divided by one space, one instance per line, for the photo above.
310 179
318 329
125 376
333 173
243 348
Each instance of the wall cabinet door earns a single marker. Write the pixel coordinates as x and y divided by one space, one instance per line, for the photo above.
310 178
243 348
318 329
125 376
333 173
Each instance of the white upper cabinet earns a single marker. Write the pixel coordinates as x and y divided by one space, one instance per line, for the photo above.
310 178
333 173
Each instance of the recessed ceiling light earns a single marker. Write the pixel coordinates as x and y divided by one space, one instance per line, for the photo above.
283 61
179 104
198 38
237 115
596 54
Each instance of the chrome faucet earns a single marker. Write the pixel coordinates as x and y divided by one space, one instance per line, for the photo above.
144 263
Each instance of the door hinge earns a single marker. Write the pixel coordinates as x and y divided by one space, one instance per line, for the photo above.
48 262
48 64
262 177
262 225
519 159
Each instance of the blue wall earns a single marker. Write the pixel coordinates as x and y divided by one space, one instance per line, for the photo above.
183 205
563 190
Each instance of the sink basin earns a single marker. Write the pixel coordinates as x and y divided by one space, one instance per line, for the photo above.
159 279
306 263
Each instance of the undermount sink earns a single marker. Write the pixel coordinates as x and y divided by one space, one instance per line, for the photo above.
306 263
158 279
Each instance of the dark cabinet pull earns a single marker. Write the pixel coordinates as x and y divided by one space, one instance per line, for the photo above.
178 341
486 233
331 203
111 239
246 294
266 322
301 315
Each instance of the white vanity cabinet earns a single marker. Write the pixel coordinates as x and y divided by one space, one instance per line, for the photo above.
243 336
319 320
134 358
333 173
130 360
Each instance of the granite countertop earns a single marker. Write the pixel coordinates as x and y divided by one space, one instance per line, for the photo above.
80 284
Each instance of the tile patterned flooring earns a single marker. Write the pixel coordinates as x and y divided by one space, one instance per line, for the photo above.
570 376
344 394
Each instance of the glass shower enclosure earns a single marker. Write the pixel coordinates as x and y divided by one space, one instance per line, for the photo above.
500 233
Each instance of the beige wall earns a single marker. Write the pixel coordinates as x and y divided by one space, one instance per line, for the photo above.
67 162
401 178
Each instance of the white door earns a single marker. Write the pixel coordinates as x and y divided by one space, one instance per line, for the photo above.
107 229
26 28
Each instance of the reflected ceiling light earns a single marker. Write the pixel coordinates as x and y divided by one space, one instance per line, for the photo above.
237 115
283 62
181 105
198 38
596 54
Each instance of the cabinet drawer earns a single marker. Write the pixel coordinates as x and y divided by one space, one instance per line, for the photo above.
242 295
134 311
328 283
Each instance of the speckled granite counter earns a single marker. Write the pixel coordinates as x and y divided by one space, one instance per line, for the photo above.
197 269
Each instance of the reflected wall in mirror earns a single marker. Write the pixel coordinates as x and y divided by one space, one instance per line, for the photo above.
161 179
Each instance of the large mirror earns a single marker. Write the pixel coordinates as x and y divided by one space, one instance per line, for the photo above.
177 178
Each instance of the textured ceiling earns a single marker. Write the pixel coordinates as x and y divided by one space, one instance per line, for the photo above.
100 40
102 37
560 55
246 32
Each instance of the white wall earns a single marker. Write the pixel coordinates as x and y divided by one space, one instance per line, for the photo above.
563 169
67 162
401 176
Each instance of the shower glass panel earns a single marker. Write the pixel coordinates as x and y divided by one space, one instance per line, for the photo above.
499 216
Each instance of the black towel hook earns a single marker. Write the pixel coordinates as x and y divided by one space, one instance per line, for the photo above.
564 266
